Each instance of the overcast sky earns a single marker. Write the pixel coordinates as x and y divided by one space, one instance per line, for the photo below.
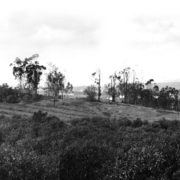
80 36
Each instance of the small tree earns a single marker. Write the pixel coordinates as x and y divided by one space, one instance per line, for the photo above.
97 78
28 70
91 93
55 81
125 76
69 88
19 70
112 89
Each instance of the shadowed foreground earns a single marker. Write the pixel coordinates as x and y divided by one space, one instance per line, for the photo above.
43 147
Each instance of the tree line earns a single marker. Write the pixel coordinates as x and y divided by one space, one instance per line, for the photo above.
126 86
122 85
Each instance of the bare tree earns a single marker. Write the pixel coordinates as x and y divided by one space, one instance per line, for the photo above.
125 75
97 80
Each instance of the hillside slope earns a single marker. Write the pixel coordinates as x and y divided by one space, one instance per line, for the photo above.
78 108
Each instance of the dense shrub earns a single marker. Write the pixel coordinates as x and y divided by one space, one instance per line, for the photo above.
137 123
8 94
45 148
27 98
91 93
85 162
12 99
126 122
144 161
123 122
38 97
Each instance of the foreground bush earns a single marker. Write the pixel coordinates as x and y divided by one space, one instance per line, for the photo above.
12 99
44 147
143 161
85 161
8 94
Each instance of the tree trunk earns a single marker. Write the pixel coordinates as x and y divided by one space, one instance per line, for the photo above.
54 101
113 98
99 94
35 93
62 94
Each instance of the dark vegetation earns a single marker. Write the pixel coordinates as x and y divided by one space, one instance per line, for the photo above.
44 147
28 72
147 94
126 87
8 94
91 93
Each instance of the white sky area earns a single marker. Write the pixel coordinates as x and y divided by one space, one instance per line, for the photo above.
80 36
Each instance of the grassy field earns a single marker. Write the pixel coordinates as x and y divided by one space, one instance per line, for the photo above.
69 109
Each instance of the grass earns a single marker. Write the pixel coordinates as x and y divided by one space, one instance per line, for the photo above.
69 109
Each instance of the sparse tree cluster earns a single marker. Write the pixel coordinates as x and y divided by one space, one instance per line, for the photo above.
28 72
56 83
126 86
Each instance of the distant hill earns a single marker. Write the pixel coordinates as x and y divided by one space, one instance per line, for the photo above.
171 84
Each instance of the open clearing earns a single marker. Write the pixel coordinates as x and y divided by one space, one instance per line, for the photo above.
69 109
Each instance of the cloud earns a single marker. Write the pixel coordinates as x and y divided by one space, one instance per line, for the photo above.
154 24
46 30
153 31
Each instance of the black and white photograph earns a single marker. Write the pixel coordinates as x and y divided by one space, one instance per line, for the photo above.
90 90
